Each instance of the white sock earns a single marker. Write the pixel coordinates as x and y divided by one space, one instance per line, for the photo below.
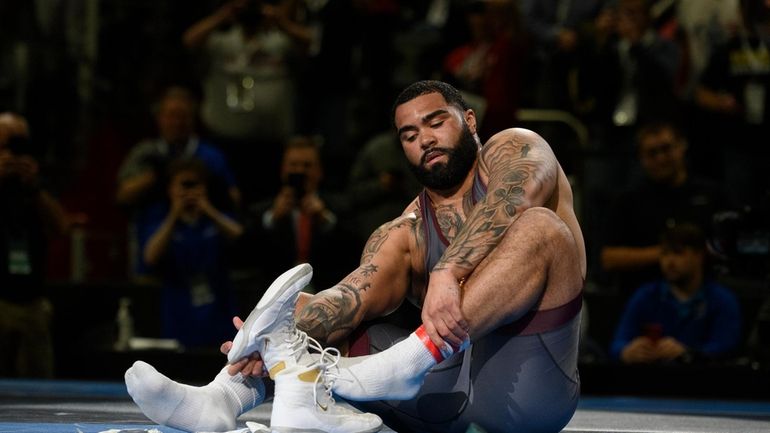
393 374
213 407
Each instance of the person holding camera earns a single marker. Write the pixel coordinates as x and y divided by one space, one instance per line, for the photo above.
185 241
300 223
29 215
141 178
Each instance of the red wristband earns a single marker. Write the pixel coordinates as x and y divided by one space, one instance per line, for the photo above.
422 335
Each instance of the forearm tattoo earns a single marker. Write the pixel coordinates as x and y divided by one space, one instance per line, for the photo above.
330 315
511 166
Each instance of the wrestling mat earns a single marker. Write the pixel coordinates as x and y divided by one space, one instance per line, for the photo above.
59 406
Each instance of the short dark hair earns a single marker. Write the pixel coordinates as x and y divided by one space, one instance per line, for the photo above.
184 164
656 127
684 235
179 93
424 87
302 142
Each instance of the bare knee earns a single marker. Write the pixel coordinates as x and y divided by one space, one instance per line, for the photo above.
543 222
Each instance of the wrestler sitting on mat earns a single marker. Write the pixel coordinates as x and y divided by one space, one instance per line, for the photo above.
492 252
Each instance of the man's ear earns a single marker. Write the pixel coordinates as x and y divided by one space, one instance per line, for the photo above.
470 119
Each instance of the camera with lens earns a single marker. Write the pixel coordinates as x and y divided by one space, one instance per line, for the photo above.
190 184
741 238
19 145
297 183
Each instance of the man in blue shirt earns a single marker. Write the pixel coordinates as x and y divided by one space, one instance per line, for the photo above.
184 240
142 176
685 314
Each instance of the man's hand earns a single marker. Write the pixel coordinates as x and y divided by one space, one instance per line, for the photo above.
178 203
283 203
249 366
441 314
7 164
311 204
204 204
640 350
27 169
669 348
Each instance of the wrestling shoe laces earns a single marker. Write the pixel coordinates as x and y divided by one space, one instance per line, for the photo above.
293 399
324 360
330 357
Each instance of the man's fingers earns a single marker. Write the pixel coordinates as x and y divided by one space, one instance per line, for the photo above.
225 347
237 322
451 332
462 327
257 367
249 366
237 366
446 334
433 334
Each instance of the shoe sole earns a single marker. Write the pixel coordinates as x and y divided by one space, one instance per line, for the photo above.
284 289
279 429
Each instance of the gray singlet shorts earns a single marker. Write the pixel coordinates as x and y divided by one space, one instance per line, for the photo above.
502 383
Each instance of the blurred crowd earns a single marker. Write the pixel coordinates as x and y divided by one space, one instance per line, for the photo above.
204 147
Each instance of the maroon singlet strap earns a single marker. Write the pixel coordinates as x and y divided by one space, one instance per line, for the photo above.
536 322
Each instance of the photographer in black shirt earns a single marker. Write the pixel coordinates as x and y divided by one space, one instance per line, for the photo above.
29 215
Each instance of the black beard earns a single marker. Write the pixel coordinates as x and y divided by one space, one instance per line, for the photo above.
459 162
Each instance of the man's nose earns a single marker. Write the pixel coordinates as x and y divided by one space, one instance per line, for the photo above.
427 140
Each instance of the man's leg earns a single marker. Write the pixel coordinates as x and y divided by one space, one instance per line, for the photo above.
214 407
301 379
502 383
535 266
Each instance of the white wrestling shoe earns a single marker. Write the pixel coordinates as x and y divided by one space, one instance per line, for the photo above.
303 399
274 314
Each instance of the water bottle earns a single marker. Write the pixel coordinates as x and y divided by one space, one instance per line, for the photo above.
125 325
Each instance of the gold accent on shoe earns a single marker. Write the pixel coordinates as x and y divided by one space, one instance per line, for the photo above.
277 368
309 376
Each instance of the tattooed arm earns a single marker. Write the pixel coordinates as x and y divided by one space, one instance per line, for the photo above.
375 288
522 172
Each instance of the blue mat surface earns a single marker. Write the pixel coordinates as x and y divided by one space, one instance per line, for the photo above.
61 406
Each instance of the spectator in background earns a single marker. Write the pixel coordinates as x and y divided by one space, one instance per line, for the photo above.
299 224
707 24
249 51
490 64
558 29
626 79
667 195
429 30
628 73
141 178
29 215
734 96
185 241
685 316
